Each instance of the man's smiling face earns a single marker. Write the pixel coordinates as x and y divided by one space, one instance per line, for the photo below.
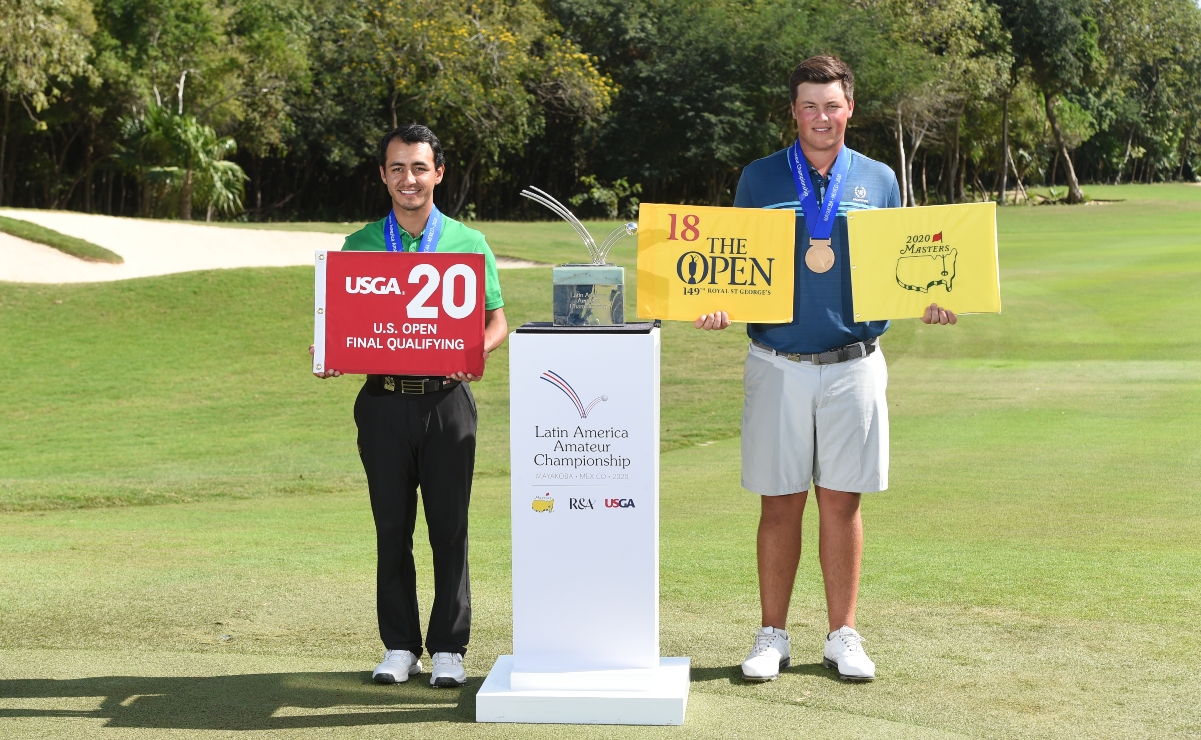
410 174
821 111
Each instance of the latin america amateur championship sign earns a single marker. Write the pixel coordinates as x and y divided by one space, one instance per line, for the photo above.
695 260
399 313
904 259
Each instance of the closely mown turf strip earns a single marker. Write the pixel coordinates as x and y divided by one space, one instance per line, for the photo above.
67 244
1032 572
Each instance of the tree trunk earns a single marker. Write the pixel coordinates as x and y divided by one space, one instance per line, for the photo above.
984 194
909 198
960 190
1075 194
1005 149
1185 144
185 197
258 185
4 144
902 170
954 173
925 190
942 170
1117 180
1054 170
1017 179
464 186
87 185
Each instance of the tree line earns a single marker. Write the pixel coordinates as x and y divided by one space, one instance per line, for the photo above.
270 109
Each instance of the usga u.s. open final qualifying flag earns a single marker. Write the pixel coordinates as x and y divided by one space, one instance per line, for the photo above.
904 259
694 260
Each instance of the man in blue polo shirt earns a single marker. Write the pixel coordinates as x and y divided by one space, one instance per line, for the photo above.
814 410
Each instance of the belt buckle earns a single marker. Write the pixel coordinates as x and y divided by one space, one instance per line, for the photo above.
389 383
413 387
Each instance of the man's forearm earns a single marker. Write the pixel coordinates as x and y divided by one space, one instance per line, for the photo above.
496 328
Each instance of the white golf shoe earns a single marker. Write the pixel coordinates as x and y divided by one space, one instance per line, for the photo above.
844 653
448 671
770 654
398 665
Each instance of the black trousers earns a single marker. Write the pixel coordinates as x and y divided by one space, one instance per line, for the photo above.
406 441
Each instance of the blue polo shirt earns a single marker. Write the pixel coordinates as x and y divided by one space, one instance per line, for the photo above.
822 313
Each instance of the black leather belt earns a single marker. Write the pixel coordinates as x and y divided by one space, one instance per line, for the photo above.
410 385
829 357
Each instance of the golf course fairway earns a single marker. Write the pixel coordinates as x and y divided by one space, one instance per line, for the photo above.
186 546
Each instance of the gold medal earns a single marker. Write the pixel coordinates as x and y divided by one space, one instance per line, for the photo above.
819 257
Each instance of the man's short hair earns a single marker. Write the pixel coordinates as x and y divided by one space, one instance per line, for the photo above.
411 133
822 69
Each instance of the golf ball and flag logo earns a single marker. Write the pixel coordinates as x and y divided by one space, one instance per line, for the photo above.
399 313
904 259
694 260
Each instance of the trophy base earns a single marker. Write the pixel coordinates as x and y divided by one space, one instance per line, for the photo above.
588 295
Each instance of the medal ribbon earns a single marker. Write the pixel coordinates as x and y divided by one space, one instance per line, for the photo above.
819 219
429 238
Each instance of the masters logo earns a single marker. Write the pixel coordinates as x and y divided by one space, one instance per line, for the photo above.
543 504
925 261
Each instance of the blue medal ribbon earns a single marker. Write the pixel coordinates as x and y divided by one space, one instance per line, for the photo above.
819 218
429 238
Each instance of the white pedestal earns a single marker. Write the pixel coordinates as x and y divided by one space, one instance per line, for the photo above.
663 702
584 438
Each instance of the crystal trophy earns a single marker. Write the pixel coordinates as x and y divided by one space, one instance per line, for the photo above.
586 293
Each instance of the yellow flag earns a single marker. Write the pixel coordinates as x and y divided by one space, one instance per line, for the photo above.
904 259
694 260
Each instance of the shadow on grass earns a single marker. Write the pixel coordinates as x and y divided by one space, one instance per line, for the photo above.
733 674
259 701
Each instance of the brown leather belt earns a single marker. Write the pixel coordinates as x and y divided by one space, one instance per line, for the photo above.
829 357
410 385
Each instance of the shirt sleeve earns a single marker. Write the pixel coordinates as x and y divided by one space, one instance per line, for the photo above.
894 195
492 297
742 195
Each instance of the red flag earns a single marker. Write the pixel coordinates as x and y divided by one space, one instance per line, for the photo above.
937 237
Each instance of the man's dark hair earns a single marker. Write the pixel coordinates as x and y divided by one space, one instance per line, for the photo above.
411 133
822 69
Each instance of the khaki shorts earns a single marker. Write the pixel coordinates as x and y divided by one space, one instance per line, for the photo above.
825 424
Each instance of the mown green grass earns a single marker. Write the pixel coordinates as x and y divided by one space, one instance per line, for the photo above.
63 243
1032 571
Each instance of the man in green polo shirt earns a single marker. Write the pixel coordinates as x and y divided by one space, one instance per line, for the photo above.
420 431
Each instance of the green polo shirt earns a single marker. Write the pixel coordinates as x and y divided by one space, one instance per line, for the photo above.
455 238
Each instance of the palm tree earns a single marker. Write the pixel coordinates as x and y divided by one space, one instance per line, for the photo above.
180 153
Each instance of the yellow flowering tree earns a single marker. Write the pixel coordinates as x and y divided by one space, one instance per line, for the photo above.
482 76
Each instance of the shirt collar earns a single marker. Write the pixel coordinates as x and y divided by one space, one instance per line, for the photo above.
407 241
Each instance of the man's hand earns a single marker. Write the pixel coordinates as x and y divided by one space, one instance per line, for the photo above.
936 315
496 328
713 321
465 377
327 373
